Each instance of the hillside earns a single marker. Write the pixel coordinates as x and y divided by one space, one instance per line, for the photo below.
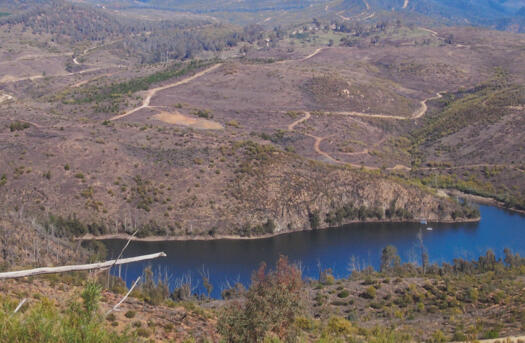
318 126
223 121
500 15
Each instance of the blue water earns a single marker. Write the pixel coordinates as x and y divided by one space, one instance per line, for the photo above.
231 261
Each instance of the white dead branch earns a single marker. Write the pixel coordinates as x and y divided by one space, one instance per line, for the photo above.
115 308
20 305
80 267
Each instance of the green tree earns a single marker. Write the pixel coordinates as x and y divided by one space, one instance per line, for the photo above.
390 260
272 304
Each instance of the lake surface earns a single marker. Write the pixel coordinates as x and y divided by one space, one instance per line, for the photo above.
230 261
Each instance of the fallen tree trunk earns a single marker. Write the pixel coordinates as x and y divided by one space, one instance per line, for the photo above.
80 267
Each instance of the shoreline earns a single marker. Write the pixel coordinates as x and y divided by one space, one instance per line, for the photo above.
482 200
125 236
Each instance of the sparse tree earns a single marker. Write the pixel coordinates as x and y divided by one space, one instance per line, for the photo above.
389 259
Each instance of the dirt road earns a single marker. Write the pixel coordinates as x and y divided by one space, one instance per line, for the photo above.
317 51
417 114
318 140
152 92
5 98
292 126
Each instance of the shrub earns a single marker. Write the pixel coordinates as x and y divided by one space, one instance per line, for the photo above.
370 293
327 278
18 126
233 123
339 327
130 314
491 334
42 322
143 332
438 337
154 290
343 294
304 323
272 304
459 336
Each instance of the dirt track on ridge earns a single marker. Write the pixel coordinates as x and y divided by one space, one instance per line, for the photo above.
152 92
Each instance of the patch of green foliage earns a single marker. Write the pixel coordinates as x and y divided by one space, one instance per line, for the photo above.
485 104
71 226
267 227
153 289
18 126
348 212
108 98
475 187
272 304
43 322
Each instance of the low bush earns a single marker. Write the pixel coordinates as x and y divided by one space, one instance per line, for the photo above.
18 126
343 294
43 322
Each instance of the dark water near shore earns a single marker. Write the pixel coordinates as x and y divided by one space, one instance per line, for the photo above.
230 261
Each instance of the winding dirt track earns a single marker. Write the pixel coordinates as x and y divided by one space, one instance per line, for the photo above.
10 79
292 126
313 54
86 51
307 115
417 114
152 92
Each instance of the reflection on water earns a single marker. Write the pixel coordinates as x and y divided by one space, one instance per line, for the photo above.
229 261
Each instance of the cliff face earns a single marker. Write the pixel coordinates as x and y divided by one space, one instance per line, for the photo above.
301 195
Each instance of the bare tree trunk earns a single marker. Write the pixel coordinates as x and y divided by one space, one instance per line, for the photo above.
80 267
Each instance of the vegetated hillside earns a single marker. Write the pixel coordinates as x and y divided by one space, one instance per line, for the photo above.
200 186
203 6
490 118
144 40
66 21
227 148
501 15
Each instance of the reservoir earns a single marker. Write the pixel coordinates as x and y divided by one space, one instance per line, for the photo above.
232 261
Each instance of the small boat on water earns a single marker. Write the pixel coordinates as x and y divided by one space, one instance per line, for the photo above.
429 229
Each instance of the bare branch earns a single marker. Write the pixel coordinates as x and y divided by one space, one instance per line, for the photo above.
80 267
115 308
20 305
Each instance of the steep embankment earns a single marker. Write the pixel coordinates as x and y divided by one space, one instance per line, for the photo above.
297 194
